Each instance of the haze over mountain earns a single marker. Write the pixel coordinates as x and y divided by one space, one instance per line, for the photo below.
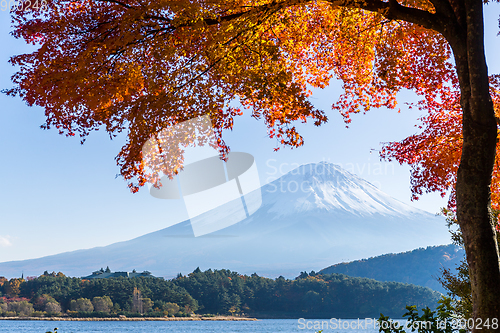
314 216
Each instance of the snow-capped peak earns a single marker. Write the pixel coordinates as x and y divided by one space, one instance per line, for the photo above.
329 187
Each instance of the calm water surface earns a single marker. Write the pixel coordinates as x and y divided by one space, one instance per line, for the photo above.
261 326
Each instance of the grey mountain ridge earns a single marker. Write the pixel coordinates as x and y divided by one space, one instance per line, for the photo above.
314 216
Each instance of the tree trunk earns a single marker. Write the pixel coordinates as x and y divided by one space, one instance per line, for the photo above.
476 166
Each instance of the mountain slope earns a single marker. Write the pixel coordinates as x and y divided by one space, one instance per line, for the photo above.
316 215
420 266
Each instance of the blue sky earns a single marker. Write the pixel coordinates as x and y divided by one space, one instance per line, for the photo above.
59 195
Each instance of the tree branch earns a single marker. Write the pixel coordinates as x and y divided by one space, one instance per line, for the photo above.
119 3
443 21
394 11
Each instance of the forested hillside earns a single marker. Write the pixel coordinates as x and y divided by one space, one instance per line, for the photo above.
309 295
419 266
211 292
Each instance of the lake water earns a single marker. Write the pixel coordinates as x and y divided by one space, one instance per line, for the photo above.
261 326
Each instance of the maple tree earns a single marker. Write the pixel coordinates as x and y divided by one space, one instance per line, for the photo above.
142 66
434 154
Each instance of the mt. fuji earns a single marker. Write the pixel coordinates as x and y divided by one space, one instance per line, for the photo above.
326 186
314 216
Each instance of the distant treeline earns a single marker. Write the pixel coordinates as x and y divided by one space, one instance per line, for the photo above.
212 292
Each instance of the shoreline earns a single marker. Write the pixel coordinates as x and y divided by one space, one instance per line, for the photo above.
216 318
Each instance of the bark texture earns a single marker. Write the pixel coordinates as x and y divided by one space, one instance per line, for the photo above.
476 166
461 23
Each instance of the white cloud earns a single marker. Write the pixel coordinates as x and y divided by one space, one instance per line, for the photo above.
5 241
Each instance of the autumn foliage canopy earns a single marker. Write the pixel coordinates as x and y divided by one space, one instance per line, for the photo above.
140 66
